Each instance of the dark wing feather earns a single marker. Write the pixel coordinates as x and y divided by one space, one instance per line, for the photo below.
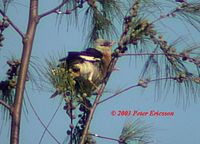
76 56
93 52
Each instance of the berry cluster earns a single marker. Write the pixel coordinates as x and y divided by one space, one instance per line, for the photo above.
76 131
3 25
80 5
13 70
8 85
128 23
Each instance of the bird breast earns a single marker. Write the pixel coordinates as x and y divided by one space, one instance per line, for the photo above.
88 68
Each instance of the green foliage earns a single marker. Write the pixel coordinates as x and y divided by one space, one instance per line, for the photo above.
179 67
135 132
189 12
64 80
60 77
101 15
3 25
7 87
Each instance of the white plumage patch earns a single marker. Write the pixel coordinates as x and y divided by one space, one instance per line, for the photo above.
89 58
88 70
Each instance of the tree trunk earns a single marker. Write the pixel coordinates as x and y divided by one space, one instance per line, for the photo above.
27 47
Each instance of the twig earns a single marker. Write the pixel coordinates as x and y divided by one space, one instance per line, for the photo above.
5 105
54 10
164 16
151 54
137 85
180 55
122 42
12 24
139 54
92 110
118 140
108 138
46 128
124 90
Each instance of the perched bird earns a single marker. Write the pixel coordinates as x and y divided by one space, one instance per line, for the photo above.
91 64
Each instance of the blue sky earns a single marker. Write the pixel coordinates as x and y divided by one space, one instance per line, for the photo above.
182 128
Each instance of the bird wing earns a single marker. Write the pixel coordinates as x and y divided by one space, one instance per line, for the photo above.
94 52
90 54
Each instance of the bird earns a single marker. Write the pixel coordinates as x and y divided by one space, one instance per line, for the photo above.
91 64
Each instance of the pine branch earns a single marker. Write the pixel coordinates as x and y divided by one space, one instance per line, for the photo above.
12 24
54 10
5 105
140 54
107 138
103 86
42 123
135 132
46 128
142 83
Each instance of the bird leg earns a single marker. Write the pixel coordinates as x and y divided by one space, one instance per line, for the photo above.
90 80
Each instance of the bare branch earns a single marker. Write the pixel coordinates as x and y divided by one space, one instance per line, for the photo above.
137 85
92 110
101 90
183 55
140 54
46 127
5 105
107 138
110 69
54 10
12 24
25 58
124 90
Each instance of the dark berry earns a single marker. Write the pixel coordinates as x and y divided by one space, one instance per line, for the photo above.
65 107
71 126
5 24
73 116
68 93
2 38
81 108
80 6
68 132
73 107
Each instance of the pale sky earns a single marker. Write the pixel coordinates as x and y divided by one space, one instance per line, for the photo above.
182 128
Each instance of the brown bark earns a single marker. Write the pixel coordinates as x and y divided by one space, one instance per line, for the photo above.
92 110
27 48
5 105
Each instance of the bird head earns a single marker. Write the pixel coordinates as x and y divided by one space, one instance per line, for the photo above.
104 46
